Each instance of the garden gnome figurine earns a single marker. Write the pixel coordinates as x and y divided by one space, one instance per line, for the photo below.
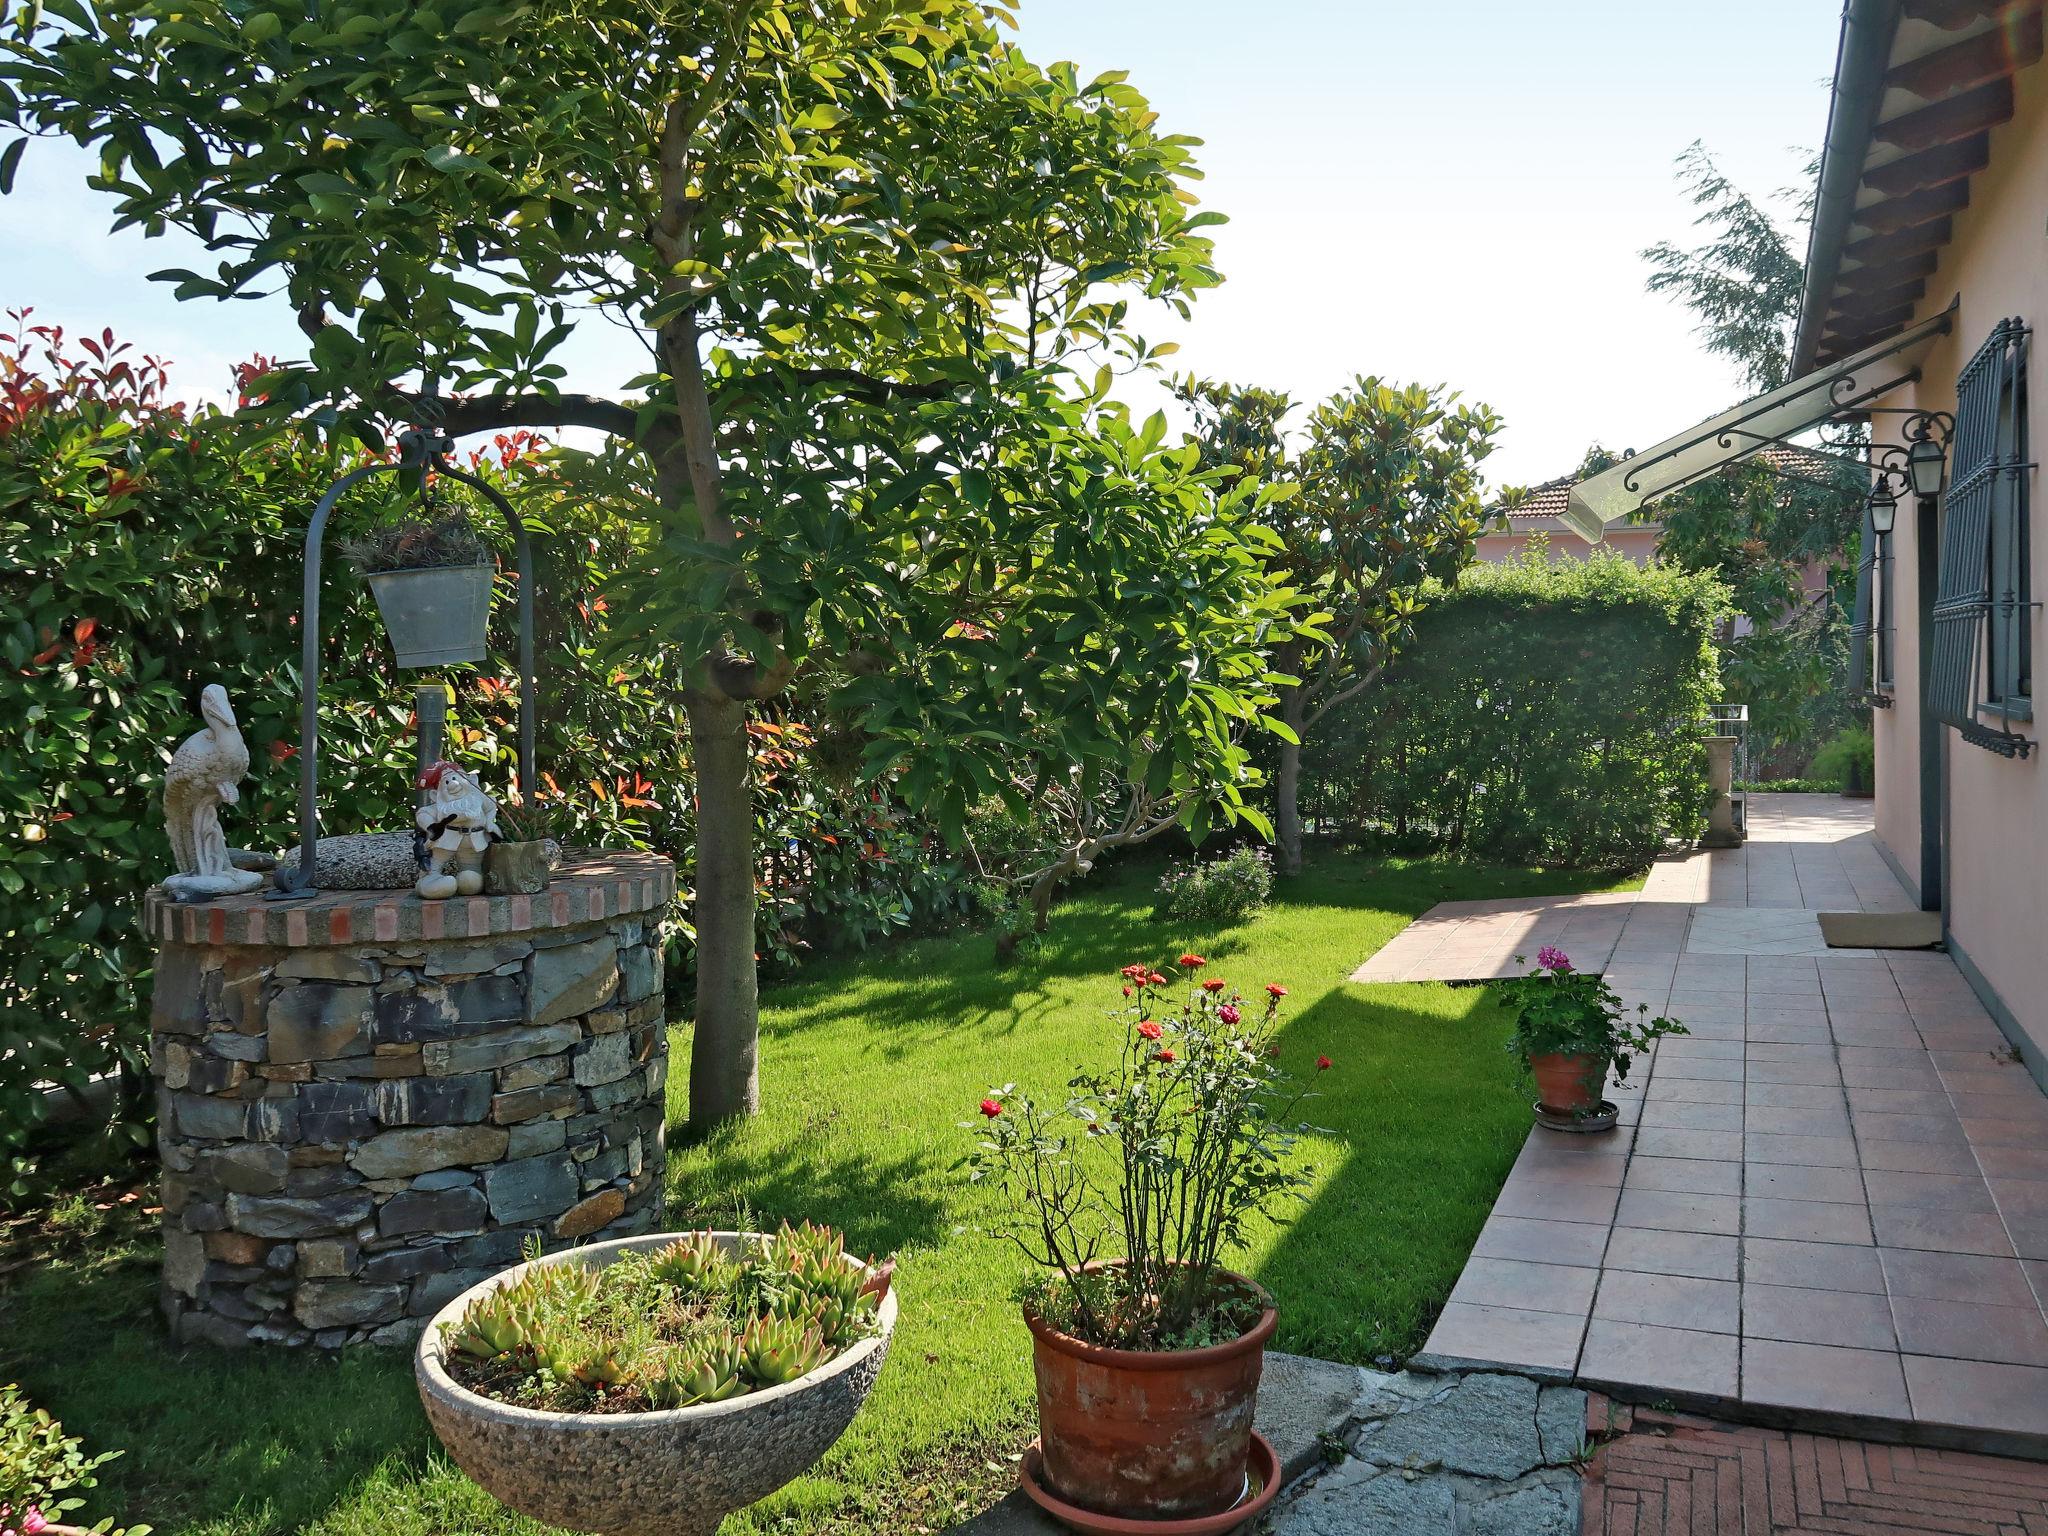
201 778
458 822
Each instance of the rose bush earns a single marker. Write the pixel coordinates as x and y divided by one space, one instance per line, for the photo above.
1199 1116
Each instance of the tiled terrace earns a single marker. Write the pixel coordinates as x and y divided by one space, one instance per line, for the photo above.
1827 1205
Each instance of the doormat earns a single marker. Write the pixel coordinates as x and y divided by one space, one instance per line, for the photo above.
1881 930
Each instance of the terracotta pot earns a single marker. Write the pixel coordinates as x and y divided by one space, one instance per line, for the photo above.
1148 1434
1569 1085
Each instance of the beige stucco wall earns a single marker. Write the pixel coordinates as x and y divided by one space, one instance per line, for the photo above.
1998 808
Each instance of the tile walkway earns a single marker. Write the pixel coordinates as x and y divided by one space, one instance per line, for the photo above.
1675 1475
1828 1204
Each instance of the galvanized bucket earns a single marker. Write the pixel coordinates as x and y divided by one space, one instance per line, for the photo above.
435 617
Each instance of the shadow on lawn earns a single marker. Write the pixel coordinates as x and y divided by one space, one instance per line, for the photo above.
252 1441
1430 1113
883 1206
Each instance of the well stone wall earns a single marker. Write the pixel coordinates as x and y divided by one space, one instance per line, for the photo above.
367 1102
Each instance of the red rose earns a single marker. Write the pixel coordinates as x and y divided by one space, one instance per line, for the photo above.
991 1108
1274 989
1323 1063
1192 961
1155 980
1150 1029
1135 972
1163 1055
1214 984
1127 991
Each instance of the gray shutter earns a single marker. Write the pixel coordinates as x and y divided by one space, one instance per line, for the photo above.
1962 592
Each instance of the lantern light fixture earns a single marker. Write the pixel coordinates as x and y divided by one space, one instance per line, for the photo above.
1883 505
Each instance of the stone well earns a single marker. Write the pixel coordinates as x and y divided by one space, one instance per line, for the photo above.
368 1102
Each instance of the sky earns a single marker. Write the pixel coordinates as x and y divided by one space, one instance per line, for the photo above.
1453 192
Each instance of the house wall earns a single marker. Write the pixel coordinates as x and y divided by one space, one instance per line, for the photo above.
1997 808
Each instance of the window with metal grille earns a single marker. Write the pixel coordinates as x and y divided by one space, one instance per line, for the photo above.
1981 680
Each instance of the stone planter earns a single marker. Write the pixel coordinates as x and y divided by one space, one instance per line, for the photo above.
674 1473
517 869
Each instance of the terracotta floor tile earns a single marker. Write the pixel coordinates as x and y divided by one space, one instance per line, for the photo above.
1813 1151
1937 1191
1721 1146
1684 1175
2011 1082
1978 1394
1906 1226
1781 1050
1676 1359
1931 1128
2014 1162
1724 1070
1800 1120
1691 1048
1670 1115
1792 1095
1679 1212
1822 1266
1981 1131
1916 1156
1529 1287
1668 1301
1532 1195
1542 1242
2021 1198
1797 1181
1955 1277
1705 1255
1547 1341
1824 1378
1966 1330
1805 1221
1793 1072
2029 1236
1846 1319
1900 1101
1694 1090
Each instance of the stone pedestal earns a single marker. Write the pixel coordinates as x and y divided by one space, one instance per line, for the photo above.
1723 830
366 1102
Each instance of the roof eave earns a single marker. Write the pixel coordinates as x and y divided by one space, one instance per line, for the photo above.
1868 29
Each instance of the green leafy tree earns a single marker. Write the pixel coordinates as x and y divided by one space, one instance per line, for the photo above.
864 244
1744 279
1384 497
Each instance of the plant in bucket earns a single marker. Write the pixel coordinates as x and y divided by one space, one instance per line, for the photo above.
1570 1026
432 581
1127 1194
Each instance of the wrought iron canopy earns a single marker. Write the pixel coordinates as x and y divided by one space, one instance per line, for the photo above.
1842 388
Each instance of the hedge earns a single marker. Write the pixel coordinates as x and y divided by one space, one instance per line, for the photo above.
1545 710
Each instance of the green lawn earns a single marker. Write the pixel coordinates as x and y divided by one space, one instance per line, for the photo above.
870 1065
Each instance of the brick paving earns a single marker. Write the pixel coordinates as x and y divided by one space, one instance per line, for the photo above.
1826 1206
1665 1474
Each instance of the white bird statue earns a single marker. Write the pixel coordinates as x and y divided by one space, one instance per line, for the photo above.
201 778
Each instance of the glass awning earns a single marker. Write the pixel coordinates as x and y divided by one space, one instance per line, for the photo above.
1835 390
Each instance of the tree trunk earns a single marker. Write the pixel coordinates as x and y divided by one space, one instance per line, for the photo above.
1287 788
724 1082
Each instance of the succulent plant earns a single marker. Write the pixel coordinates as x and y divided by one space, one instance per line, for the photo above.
693 1264
774 1350
707 1374
494 1325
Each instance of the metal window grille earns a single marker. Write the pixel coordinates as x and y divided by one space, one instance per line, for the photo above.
1982 606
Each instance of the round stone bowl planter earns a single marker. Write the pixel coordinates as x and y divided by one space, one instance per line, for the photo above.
673 1473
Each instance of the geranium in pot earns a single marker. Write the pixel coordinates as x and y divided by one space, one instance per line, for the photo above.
1570 1027
1146 1349
432 581
649 1386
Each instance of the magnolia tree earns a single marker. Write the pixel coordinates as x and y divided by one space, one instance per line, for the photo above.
1389 500
866 254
